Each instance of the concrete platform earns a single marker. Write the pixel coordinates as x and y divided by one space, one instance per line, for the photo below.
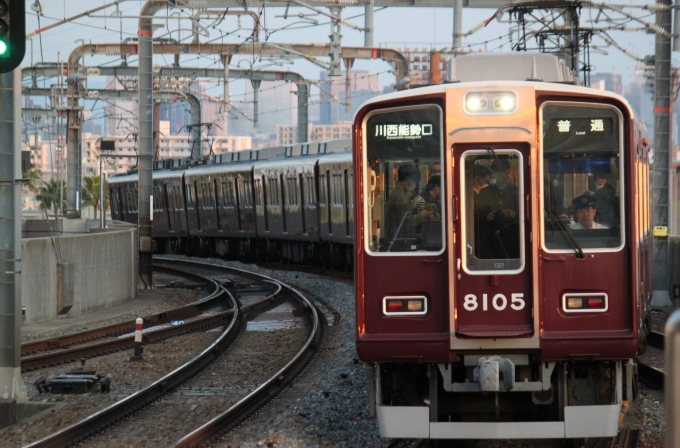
143 300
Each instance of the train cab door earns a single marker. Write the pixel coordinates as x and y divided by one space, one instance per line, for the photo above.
492 272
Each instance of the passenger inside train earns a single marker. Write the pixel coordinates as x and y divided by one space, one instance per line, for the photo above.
582 184
491 209
404 159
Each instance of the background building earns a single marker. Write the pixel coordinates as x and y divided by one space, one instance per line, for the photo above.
333 108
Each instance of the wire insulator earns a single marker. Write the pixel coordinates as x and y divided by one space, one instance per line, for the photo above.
657 29
656 7
475 29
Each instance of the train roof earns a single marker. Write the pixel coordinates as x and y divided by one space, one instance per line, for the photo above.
215 168
289 161
540 71
121 178
337 157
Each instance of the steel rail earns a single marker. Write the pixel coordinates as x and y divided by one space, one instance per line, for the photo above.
651 376
128 406
245 407
184 312
105 347
656 339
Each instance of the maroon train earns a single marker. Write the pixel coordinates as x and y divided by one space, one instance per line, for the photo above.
503 253
288 203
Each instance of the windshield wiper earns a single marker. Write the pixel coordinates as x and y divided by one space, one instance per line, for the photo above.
566 233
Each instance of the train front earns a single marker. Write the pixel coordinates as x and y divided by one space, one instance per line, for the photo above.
501 259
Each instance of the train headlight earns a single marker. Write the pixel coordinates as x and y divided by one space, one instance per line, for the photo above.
490 103
505 103
475 103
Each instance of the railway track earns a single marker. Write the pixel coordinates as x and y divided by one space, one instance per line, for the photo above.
176 383
651 365
185 319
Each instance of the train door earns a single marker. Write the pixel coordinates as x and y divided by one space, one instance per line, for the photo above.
493 287
197 204
216 204
168 206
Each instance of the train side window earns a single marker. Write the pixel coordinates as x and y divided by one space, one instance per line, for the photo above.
492 210
258 193
292 190
273 189
190 196
582 181
404 206
337 190
227 194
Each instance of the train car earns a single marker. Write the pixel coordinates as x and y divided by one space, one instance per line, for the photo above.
503 252
287 222
336 217
169 219
123 194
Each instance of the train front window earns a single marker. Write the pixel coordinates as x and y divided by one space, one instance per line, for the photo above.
582 178
404 187
493 224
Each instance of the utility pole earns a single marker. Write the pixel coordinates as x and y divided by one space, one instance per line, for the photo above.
336 45
10 229
662 127
457 24
368 22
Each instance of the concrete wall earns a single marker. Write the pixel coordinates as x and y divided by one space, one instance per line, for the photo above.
102 272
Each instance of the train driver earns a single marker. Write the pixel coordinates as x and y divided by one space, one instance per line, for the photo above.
584 212
402 219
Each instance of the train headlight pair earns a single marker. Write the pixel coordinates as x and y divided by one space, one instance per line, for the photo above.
490 103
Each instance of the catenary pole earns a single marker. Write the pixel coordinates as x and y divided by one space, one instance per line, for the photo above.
662 123
10 229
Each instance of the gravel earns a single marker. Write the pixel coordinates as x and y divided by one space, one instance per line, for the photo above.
328 406
126 378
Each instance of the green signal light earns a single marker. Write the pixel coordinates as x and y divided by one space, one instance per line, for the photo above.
3 48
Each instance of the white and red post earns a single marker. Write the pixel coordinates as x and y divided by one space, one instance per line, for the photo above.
139 325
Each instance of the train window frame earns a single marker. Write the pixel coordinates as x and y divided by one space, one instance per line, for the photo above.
464 218
622 177
366 175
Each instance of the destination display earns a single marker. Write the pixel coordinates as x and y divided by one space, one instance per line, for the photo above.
402 133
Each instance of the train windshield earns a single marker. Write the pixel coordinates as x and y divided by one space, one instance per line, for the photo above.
404 206
582 178
493 210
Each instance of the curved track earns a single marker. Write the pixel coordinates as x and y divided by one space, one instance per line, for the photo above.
122 410
72 347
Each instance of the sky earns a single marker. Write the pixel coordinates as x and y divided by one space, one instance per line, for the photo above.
394 27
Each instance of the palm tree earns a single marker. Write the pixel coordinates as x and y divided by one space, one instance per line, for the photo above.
33 178
91 195
49 196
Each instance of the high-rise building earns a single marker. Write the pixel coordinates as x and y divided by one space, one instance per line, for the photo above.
277 105
363 86
607 81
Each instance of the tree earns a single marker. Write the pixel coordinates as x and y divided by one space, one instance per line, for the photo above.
33 178
90 193
49 195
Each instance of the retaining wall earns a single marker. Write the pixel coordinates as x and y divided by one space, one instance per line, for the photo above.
78 273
